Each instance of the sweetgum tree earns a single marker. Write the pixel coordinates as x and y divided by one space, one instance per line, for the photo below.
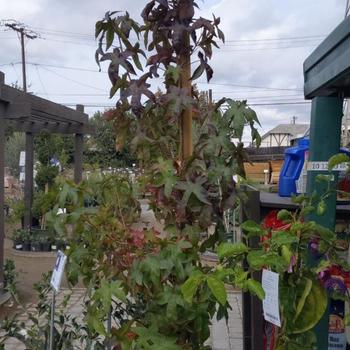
154 284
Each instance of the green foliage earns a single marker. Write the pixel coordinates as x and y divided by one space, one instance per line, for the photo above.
48 146
46 175
43 202
100 147
68 333
15 143
10 277
285 248
17 210
338 159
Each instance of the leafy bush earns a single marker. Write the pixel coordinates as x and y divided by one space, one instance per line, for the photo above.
10 277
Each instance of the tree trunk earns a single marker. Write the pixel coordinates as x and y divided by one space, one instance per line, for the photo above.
186 117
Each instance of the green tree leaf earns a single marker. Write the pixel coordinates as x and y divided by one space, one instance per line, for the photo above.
190 287
321 208
218 289
314 307
305 294
252 228
229 250
338 159
255 288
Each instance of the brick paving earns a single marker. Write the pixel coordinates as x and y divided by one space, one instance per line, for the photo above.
223 336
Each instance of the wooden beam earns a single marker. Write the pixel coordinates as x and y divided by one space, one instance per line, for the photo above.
37 127
56 109
12 95
28 182
2 196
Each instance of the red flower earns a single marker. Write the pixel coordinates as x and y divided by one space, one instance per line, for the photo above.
271 222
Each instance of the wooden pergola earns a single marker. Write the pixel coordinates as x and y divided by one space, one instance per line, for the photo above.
31 114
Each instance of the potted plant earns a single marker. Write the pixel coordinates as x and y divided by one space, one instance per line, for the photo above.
45 243
53 245
35 243
17 238
26 240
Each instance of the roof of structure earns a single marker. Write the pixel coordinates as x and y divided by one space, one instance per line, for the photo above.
29 113
295 130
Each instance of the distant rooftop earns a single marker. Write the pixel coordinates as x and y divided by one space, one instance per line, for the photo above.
295 130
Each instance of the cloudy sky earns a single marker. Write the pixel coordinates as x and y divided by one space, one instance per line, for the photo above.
266 44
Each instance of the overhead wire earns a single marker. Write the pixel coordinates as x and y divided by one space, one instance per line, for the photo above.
73 80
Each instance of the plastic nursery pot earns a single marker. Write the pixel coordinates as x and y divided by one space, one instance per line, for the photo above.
26 246
35 247
45 246
18 245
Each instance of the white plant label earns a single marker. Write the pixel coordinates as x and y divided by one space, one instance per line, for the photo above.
323 166
270 282
22 158
58 271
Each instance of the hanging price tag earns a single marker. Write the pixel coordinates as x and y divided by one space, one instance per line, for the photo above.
270 281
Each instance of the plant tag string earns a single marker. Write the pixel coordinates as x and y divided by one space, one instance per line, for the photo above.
270 283
55 283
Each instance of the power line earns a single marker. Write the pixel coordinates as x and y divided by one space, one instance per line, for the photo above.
103 105
250 86
264 48
73 80
267 88
278 39
72 34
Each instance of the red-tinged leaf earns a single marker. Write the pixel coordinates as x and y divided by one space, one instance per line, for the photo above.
198 72
147 10
163 3
109 37
209 71
221 35
186 11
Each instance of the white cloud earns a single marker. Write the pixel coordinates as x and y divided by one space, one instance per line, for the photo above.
20 9
250 64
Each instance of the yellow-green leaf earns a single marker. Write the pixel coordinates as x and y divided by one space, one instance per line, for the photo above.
218 289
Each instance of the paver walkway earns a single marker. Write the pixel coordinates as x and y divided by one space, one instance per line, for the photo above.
223 336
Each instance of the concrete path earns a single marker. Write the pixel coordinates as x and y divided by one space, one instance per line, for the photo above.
223 336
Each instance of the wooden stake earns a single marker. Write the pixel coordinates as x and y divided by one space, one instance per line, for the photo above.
186 118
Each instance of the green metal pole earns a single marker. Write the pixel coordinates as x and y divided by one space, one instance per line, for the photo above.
325 130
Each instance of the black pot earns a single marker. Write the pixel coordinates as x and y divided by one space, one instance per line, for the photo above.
18 245
26 246
35 247
46 247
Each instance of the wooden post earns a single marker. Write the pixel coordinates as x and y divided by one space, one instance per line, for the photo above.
78 152
28 181
253 322
186 117
2 186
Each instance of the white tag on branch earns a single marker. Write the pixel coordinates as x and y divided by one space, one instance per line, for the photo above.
270 281
58 271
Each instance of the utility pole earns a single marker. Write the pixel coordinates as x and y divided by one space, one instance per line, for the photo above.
24 32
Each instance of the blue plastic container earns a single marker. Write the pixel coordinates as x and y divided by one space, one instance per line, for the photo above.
294 158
